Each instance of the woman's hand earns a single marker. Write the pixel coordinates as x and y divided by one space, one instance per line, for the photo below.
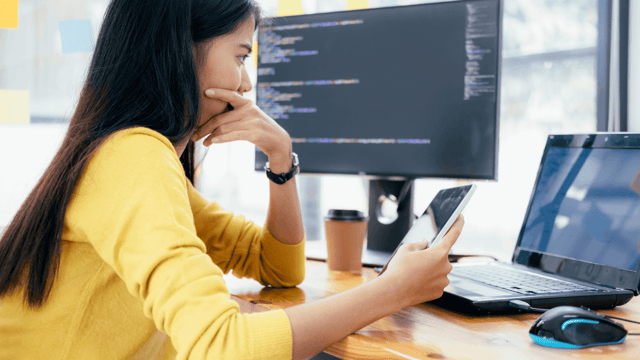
420 274
413 276
246 122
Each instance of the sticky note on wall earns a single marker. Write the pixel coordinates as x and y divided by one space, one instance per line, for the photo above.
77 36
14 107
9 14
357 4
254 50
290 7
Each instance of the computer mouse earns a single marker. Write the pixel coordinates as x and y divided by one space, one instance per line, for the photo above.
573 327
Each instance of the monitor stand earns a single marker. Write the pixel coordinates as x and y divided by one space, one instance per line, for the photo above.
384 233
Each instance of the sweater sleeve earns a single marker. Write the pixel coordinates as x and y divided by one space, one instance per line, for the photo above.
132 205
249 250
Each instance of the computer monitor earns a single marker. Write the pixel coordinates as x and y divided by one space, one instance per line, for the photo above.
393 93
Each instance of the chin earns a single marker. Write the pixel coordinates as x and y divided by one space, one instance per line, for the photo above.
213 113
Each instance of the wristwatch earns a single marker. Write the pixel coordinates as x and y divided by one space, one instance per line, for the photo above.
284 177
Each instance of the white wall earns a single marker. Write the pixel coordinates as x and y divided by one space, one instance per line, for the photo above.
25 153
634 67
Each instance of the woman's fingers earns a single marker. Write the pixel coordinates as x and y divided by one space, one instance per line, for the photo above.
452 235
421 272
228 137
236 100
212 126
420 245
247 122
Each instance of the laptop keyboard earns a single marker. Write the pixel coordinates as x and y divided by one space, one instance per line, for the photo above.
518 281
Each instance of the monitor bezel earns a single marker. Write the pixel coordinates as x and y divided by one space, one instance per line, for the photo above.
398 176
569 267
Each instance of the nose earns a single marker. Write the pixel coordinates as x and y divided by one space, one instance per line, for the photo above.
245 83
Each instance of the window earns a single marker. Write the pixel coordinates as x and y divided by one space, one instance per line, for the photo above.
548 86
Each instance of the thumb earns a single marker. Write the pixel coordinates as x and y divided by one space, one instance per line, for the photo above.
422 244
416 246
452 235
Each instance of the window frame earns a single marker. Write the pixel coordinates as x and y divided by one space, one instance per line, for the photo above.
606 46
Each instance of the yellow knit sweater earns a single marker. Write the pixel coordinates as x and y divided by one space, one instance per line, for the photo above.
141 269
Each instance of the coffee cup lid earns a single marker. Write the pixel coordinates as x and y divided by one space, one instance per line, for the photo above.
345 215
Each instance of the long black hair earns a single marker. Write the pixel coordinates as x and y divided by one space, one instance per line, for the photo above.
143 73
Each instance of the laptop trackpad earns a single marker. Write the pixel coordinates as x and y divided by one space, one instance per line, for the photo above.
463 287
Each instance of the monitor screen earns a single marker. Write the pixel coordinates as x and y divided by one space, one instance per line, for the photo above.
408 91
586 207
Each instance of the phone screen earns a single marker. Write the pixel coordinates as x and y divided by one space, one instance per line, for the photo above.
441 213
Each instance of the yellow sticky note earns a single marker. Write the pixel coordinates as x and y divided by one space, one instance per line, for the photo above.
14 106
290 7
9 14
254 50
357 4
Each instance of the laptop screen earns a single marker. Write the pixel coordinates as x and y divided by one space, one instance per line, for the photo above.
586 207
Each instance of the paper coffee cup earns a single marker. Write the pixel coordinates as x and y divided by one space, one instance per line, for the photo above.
345 231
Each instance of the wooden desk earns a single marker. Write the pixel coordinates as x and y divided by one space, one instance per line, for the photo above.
426 331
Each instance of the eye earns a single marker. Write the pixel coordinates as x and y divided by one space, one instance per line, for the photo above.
243 58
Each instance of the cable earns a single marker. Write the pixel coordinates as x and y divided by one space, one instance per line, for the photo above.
522 305
617 318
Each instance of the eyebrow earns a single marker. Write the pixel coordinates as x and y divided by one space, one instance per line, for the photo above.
246 46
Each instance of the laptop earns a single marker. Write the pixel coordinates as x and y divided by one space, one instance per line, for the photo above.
580 239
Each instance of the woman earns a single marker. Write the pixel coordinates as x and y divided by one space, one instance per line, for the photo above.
114 254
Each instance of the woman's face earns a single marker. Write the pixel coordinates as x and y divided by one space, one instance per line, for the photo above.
223 67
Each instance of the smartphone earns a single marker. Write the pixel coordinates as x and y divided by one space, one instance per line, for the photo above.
439 216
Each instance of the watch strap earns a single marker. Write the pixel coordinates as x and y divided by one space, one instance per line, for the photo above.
284 177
